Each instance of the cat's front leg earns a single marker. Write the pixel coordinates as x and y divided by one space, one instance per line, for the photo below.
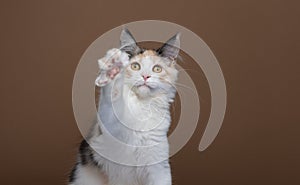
159 174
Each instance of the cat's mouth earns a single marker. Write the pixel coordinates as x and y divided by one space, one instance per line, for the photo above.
144 85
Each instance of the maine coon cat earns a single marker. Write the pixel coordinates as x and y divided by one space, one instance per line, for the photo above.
137 87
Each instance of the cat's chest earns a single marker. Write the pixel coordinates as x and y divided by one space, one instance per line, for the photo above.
144 115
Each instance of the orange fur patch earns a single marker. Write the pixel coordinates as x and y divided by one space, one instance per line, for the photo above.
145 54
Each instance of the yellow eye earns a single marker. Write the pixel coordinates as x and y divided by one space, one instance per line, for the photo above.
157 69
135 66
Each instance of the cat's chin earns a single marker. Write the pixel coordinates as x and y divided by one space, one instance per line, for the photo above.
144 89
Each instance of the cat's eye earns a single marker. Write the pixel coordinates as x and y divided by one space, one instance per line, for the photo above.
135 66
157 69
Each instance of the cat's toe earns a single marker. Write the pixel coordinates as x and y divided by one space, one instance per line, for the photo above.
102 79
113 57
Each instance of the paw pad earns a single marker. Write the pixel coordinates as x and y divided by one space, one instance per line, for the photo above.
111 65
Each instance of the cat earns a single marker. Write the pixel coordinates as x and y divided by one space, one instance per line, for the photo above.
137 88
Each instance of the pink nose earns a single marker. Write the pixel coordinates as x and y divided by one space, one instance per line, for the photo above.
146 77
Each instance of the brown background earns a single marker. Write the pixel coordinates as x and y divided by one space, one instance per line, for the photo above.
256 43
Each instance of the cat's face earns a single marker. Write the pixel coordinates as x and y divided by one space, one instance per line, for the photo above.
149 74
150 71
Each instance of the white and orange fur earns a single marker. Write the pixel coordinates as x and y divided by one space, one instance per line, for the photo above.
137 87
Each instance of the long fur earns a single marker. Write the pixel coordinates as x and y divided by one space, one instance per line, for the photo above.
131 113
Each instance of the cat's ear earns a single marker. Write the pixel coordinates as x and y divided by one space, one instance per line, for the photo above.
171 48
128 43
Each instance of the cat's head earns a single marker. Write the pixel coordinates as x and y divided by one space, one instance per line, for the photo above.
151 72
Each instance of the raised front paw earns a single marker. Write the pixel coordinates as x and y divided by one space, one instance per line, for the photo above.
111 65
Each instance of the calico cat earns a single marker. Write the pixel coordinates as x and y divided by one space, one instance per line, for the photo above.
137 88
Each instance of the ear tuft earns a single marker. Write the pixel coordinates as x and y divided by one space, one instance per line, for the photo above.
128 43
171 48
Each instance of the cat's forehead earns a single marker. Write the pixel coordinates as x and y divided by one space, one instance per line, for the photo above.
147 55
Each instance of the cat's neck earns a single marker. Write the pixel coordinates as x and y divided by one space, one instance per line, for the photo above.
158 100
